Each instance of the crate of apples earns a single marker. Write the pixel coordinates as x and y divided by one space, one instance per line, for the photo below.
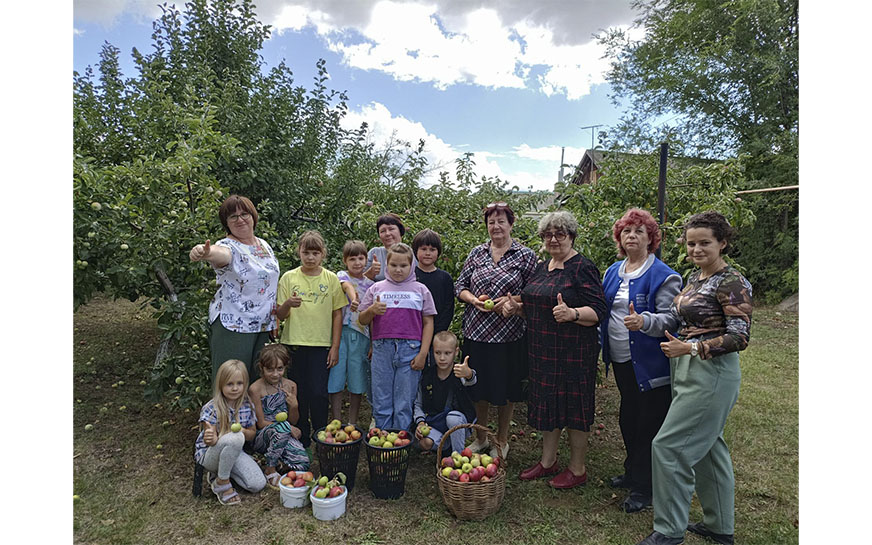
469 467
336 433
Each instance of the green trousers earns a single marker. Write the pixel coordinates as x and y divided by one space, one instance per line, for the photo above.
230 345
689 451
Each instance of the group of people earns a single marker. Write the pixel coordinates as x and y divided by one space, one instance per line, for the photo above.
532 331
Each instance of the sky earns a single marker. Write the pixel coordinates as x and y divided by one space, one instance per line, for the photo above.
510 83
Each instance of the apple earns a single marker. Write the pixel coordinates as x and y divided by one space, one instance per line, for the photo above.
601 426
475 475
486 460
287 481
375 441
336 423
489 304
96 206
323 481
299 483
491 470
464 459
369 204
321 493
485 479
448 462
425 431
387 444
374 432
291 475
483 297
458 463
446 471
124 246
403 434
454 475
281 417
179 380
322 436
466 452
308 477
236 427
89 427
464 478
341 436
348 429
475 462
355 435
335 491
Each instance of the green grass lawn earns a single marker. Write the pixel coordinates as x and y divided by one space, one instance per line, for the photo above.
133 471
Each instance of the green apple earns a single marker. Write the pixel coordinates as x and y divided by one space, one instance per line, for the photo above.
489 304
425 431
89 427
323 481
446 471
124 246
281 417
179 380
321 493
466 467
96 206
236 427
486 460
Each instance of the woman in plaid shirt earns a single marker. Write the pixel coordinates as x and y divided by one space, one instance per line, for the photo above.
563 302
496 345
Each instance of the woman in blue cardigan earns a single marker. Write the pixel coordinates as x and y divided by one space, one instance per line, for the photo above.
638 291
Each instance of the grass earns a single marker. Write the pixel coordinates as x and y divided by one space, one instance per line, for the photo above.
133 471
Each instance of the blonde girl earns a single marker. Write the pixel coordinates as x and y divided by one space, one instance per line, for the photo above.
218 448
272 394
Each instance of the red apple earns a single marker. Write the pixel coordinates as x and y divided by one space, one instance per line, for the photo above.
485 479
491 470
448 462
335 491
454 475
466 452
299 483
475 475
464 478
403 434
292 475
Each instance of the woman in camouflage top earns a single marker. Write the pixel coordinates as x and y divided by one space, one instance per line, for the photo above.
713 315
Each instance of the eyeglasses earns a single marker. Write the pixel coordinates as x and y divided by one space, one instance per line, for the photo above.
559 236
493 205
244 216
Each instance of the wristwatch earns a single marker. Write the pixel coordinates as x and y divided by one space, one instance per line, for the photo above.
576 314
694 348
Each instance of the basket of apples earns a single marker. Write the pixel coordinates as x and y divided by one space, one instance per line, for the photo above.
328 497
387 452
294 488
473 485
338 449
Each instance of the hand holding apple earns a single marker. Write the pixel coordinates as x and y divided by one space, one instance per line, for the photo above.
561 312
294 300
633 321
462 370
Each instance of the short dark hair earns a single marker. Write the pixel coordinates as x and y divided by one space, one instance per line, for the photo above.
273 355
312 240
233 203
427 237
391 219
495 207
720 227
352 248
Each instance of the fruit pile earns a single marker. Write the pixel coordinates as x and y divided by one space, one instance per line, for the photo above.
330 488
387 439
466 467
336 433
297 479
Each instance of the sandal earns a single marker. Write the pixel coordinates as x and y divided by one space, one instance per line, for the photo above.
272 480
225 499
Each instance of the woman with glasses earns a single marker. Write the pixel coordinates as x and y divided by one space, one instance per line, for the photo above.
496 344
639 291
247 274
563 303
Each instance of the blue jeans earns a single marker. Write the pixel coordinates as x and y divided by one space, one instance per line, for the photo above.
394 383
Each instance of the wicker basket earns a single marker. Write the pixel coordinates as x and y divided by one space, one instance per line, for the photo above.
472 500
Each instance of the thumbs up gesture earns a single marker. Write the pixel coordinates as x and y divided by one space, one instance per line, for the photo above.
462 370
673 347
561 312
375 267
209 435
201 252
294 300
633 321
508 306
378 307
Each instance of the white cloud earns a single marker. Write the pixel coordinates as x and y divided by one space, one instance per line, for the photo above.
487 43
77 32
107 12
384 128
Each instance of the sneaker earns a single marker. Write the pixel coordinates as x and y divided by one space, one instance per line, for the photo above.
475 446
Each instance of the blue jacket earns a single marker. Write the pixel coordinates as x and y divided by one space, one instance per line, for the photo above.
649 363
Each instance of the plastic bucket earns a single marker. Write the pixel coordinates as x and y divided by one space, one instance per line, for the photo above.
328 508
338 457
294 497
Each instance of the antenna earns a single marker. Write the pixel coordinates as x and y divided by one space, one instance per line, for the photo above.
591 127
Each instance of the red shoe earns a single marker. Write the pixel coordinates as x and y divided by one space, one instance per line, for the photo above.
538 470
568 479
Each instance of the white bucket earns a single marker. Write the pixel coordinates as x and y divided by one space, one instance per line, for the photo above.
328 508
294 497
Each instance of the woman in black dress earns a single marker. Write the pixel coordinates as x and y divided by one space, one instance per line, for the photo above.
562 302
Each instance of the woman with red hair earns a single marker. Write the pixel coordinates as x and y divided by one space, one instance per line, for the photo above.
639 291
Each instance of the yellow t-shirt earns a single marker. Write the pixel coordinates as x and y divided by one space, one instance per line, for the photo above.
310 324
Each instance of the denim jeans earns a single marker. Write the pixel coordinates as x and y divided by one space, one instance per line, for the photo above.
394 383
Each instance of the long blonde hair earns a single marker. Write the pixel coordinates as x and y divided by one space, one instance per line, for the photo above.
222 409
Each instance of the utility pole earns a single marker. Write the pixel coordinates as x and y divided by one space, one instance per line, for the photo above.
591 127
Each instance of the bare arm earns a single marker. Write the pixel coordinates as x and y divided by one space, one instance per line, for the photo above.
217 256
